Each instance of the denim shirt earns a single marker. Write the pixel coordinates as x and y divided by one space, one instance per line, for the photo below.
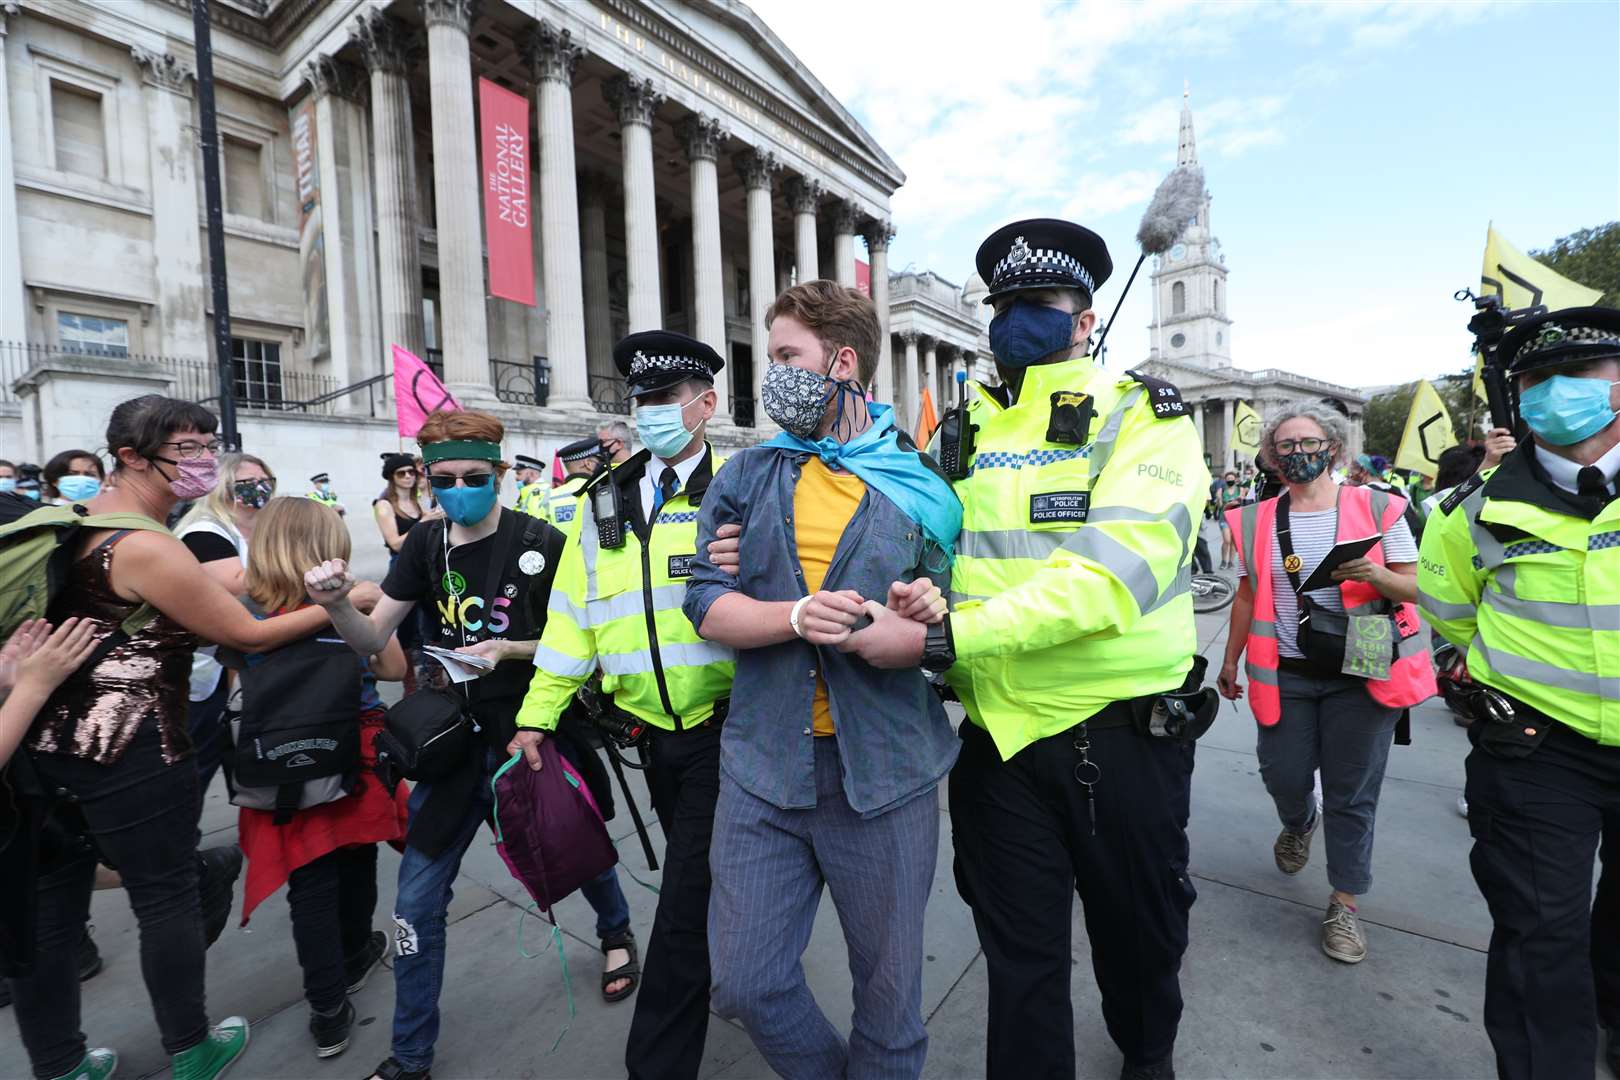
894 739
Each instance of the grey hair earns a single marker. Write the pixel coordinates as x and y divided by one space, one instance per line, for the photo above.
616 428
1334 424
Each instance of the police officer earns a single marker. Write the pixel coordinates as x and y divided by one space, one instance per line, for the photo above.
616 605
532 487
1071 617
321 492
581 461
1521 568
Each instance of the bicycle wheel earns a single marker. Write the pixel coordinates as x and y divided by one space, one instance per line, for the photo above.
1211 592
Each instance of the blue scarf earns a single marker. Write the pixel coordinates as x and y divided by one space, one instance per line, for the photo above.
876 457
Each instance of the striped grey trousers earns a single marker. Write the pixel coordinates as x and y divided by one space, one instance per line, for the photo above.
768 868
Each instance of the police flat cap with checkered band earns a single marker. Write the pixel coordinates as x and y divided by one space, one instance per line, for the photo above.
1043 253
580 451
1568 336
656 359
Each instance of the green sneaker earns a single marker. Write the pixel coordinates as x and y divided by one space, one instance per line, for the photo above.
217 1052
98 1064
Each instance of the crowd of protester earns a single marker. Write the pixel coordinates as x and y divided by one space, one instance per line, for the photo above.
194 611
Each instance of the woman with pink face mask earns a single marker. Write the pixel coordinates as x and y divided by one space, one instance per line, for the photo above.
112 740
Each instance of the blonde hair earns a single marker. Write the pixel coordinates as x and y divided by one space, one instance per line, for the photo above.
220 504
290 536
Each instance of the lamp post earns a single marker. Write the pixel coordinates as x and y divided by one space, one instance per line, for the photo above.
204 43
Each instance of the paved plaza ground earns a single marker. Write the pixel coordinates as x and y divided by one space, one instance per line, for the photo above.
1262 1000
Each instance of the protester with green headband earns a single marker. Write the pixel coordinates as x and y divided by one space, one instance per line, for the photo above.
487 572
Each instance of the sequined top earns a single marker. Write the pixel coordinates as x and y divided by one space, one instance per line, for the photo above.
96 712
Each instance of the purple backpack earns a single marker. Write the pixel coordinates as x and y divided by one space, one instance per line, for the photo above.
547 827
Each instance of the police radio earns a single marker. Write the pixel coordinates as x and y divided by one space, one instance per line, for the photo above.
608 509
956 434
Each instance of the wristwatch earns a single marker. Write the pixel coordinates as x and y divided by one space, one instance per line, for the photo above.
939 647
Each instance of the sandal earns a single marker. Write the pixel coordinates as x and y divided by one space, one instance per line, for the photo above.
391 1069
632 970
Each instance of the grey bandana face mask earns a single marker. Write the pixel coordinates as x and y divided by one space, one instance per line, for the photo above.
795 398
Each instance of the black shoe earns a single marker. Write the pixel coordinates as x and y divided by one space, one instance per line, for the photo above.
217 871
90 966
391 1069
1613 1056
1164 1070
356 969
332 1032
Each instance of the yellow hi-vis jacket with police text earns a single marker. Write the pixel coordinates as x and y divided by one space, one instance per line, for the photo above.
1071 583
531 498
1532 591
620 609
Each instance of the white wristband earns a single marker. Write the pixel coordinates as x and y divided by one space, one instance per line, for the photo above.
793 616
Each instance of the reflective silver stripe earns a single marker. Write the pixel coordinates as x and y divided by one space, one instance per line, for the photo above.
1378 502
1178 515
624 605
589 549
1489 550
673 654
1522 667
963 598
1133 571
1246 526
1258 674
567 667
1263 628
1556 613
1102 448
1182 583
1008 543
1439 609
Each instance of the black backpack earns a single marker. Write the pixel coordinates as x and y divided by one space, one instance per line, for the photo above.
298 741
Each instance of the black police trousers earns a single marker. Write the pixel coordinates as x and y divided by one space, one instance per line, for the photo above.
672 1005
1025 845
1554 969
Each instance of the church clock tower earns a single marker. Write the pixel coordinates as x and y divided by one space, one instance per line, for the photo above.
1190 324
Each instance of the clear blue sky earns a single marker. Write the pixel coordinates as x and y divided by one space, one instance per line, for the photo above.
1355 151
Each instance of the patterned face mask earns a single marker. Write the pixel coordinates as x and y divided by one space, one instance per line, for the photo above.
253 493
795 398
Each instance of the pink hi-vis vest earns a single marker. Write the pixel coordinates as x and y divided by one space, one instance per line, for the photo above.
1362 512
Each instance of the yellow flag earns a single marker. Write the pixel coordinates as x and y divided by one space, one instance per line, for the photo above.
1245 430
1523 282
1428 432
1479 379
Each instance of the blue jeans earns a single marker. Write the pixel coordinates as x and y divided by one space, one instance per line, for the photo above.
419 924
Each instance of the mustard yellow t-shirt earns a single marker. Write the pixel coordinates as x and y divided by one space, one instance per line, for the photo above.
823 504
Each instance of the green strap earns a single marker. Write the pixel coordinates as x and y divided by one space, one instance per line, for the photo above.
562 956
494 793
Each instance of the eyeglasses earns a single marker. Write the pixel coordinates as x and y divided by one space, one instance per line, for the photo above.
1304 446
445 483
190 450
404 474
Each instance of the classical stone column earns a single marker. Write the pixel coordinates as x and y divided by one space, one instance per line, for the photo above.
593 239
1198 425
177 255
351 258
844 221
389 48
13 313
458 201
757 169
635 101
878 235
803 195
704 136
552 57
930 373
905 383
1223 449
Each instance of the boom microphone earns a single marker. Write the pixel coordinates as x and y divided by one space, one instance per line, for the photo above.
1174 205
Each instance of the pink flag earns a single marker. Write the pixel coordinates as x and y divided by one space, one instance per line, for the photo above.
417 392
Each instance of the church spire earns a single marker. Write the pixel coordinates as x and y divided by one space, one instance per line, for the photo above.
1187 148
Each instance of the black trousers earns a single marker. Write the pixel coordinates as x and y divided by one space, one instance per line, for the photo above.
331 901
1554 967
142 816
672 1006
1025 846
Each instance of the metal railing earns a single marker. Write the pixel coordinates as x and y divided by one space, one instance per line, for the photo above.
521 383
742 411
607 392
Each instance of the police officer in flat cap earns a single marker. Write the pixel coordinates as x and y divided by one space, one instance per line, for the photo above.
1520 569
1071 645
533 488
616 604
581 460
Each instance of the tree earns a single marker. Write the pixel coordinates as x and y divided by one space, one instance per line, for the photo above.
1383 421
1589 256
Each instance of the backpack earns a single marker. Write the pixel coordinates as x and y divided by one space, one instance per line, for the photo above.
297 743
36 554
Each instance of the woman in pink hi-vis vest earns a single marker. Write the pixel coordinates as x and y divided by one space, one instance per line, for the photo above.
1313 715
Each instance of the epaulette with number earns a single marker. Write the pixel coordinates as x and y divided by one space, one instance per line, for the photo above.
1163 396
1461 492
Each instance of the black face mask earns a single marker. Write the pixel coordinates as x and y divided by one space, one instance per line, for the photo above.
253 494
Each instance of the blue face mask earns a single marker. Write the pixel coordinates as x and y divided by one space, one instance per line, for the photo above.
1566 409
662 428
78 488
8 483
466 505
1027 333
